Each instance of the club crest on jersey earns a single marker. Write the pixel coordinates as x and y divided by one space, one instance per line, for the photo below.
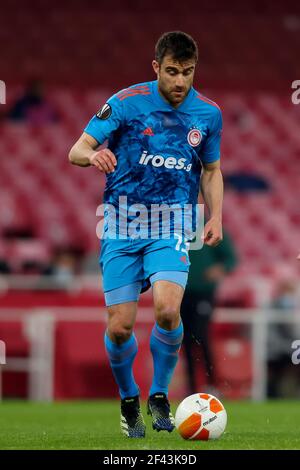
194 137
104 112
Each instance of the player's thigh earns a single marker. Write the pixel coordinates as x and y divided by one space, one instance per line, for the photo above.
121 320
167 298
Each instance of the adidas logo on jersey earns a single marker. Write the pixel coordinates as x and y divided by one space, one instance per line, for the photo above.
148 131
169 162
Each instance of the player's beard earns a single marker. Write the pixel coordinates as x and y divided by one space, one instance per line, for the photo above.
174 96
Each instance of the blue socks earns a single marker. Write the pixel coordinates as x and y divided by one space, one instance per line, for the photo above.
121 359
165 346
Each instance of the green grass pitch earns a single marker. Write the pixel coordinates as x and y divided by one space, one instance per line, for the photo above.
95 425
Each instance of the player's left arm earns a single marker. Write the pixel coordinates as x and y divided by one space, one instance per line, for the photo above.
212 192
212 180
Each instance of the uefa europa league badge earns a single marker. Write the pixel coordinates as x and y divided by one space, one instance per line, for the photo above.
104 112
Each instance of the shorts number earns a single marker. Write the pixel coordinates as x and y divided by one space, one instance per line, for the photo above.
186 244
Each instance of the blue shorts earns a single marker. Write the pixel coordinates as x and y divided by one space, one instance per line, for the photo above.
130 266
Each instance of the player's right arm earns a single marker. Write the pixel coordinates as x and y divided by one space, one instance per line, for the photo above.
84 153
108 119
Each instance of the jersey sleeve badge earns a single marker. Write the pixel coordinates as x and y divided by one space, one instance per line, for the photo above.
104 112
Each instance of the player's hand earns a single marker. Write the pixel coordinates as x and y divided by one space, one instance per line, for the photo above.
104 160
212 234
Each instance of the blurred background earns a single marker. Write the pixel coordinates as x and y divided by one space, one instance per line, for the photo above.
60 61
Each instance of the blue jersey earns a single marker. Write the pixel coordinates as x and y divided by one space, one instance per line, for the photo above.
159 149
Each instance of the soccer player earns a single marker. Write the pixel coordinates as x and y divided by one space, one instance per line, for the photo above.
163 135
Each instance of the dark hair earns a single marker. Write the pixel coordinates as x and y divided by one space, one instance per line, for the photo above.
179 45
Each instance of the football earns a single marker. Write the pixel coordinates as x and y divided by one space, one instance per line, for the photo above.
200 417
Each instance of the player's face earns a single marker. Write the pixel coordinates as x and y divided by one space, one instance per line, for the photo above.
174 78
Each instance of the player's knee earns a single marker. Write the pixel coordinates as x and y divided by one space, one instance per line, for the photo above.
167 316
119 333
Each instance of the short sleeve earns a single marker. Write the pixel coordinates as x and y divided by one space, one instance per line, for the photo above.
211 149
108 119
